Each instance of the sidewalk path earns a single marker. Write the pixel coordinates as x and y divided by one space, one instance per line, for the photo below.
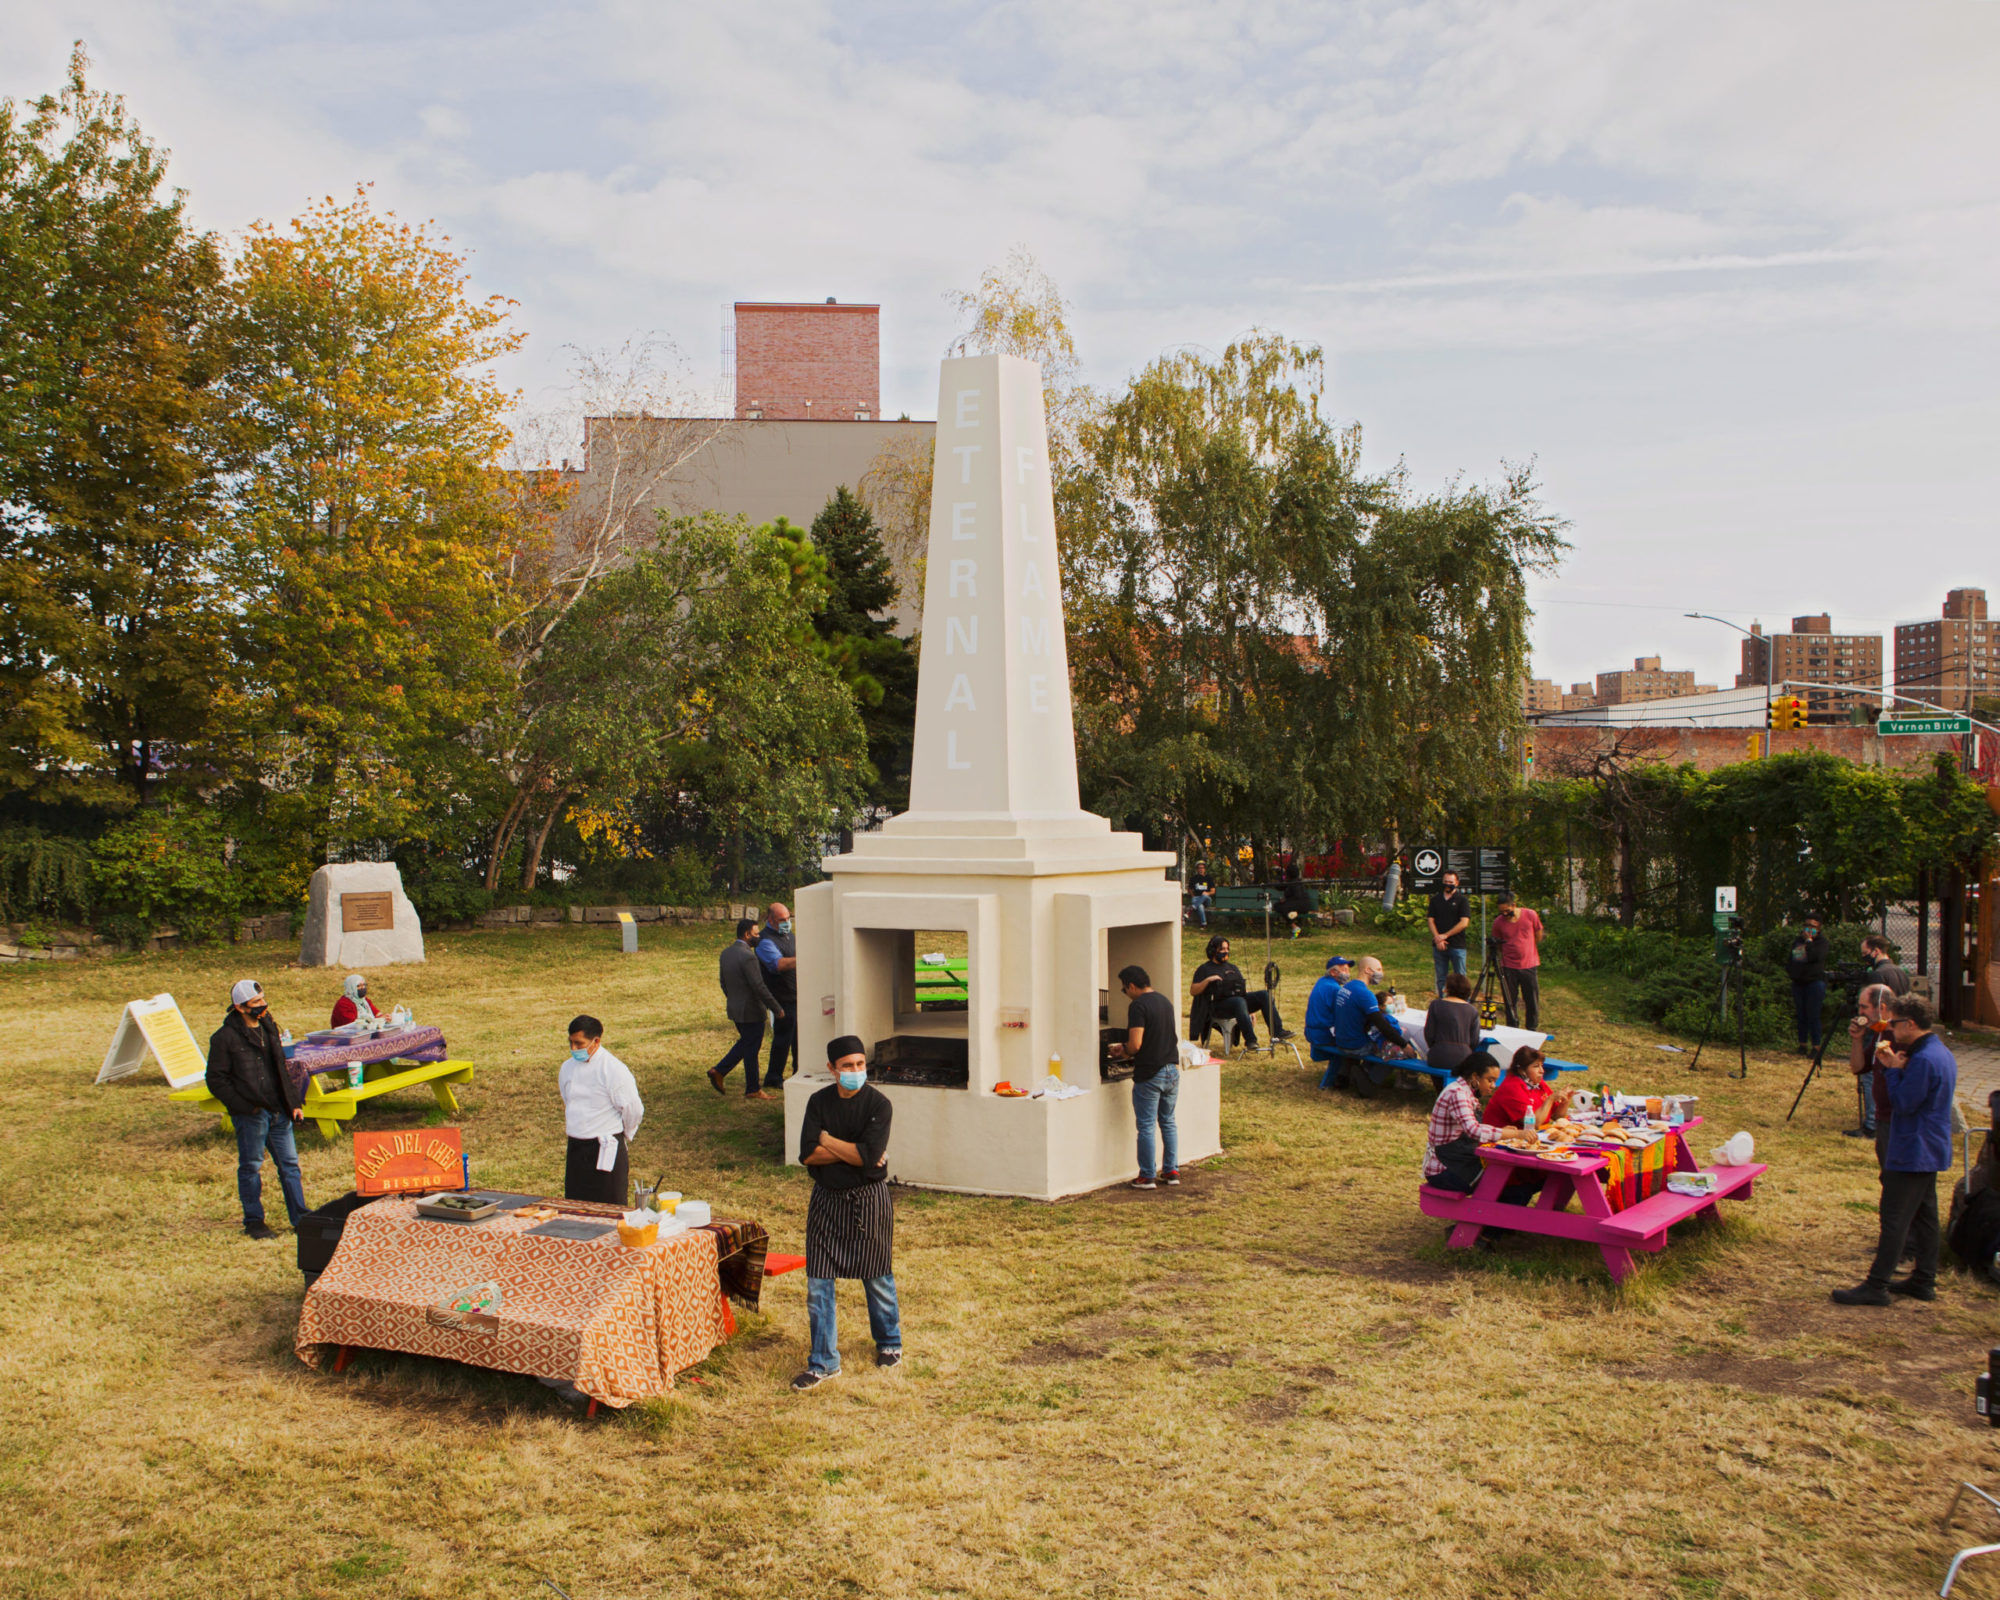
1978 1057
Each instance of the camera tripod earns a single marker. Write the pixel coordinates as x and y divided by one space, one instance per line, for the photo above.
1849 1009
1732 971
1486 992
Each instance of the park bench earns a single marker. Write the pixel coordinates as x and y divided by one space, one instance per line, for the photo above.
328 1108
1244 901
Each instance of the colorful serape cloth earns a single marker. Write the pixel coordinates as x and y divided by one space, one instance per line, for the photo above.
1634 1175
414 1045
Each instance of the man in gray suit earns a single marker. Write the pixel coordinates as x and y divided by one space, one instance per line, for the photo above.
746 997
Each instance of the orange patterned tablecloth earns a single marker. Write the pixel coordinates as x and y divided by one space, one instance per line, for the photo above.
617 1323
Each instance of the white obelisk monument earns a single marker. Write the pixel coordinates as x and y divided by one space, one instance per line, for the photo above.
995 846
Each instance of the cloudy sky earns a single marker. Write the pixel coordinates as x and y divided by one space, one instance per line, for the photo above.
1727 273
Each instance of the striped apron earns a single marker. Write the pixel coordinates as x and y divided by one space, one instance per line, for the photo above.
850 1233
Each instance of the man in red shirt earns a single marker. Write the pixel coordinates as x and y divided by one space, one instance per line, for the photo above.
1516 933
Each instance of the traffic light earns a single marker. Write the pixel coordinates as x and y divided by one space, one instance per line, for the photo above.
1528 751
1752 746
1788 711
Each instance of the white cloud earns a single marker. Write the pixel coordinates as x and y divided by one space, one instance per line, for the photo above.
1688 255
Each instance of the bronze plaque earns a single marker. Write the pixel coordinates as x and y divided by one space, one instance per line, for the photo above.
365 913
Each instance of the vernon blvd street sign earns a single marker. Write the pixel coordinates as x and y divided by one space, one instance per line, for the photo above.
1942 723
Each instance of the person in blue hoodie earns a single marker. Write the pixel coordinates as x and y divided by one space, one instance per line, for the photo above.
1922 1080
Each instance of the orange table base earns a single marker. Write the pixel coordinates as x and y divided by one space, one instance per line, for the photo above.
617 1323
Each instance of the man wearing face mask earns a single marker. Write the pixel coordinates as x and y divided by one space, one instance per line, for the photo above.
778 955
850 1224
246 1072
601 1112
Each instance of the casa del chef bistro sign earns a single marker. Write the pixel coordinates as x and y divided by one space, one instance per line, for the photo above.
412 1159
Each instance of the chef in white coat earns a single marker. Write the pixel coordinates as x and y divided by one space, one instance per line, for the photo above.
601 1113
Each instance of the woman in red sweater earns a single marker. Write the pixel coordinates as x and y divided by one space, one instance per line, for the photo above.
1521 1091
354 1002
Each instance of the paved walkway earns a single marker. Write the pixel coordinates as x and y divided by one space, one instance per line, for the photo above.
1978 1057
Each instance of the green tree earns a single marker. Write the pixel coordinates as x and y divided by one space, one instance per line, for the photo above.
115 443
1268 645
372 526
692 671
878 667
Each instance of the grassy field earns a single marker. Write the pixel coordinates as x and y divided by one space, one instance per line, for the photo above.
1271 1382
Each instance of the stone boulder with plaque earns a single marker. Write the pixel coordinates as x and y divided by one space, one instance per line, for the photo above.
357 916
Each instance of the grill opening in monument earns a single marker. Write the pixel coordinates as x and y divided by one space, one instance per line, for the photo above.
940 974
915 1007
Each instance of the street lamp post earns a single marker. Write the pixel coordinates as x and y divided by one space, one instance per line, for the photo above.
1763 639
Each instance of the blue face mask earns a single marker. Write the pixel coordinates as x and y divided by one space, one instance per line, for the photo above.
785 926
853 1080
579 1055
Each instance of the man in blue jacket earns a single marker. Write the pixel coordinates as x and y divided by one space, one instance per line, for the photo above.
1319 1006
1922 1079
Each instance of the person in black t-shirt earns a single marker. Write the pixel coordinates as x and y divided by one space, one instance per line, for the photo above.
1449 915
851 1221
1221 991
1152 1044
1805 965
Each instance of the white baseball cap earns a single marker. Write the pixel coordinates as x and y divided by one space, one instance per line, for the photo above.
245 991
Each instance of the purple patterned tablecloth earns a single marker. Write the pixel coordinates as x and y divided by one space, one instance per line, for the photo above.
404 1044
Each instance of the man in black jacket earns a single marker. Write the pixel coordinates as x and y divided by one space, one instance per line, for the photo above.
745 999
1805 965
246 1072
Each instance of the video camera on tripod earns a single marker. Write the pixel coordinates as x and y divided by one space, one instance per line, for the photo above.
1729 940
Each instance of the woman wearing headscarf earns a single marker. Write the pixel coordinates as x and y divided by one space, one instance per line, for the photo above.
354 1004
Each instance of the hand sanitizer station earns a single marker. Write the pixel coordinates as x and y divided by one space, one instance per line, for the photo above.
995 846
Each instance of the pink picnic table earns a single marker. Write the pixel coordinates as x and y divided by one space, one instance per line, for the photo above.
1641 1226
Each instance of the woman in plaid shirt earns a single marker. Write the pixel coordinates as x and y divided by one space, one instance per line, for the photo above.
1451 1160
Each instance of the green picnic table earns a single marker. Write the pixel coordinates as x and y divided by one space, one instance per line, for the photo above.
943 980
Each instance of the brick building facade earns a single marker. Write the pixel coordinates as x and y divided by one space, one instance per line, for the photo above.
1563 750
808 363
1812 653
1645 681
1953 660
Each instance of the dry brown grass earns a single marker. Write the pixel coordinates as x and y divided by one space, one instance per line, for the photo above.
1273 1382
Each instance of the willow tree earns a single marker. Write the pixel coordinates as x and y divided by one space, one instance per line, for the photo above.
1269 645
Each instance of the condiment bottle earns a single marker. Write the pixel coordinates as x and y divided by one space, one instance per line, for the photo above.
1055 1066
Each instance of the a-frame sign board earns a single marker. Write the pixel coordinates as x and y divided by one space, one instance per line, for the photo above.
154 1026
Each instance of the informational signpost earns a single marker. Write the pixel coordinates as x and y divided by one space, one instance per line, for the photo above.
1481 869
410 1160
1904 723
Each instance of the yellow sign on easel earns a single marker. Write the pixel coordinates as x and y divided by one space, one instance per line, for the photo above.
154 1027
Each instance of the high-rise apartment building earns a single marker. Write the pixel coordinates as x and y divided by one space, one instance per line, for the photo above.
808 363
1811 654
1579 697
1953 660
1645 681
1541 695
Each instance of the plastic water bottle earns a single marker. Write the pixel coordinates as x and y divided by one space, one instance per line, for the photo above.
1055 1066
1674 1117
